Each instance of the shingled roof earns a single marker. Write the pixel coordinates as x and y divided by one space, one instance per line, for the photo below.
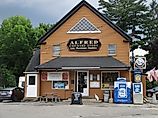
84 62
35 61
73 11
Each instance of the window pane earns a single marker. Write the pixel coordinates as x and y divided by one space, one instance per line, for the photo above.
56 50
111 46
60 84
108 79
31 80
59 80
112 49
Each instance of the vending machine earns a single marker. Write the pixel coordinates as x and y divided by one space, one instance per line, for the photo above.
122 91
138 93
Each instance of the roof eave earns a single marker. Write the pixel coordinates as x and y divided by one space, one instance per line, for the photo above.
74 10
59 23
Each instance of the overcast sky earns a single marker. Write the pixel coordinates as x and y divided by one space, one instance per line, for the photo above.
39 11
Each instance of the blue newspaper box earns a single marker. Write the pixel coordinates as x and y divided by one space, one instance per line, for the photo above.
122 91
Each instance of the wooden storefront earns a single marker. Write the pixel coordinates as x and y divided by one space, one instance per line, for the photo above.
83 52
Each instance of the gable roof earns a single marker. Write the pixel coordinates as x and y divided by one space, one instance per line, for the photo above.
105 62
35 61
73 11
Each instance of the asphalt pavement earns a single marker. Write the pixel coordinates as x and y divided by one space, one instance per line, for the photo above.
87 110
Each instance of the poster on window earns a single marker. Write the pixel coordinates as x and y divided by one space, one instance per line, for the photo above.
65 76
58 85
43 76
95 84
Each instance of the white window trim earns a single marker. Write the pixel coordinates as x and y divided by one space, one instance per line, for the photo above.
115 50
108 72
84 32
48 76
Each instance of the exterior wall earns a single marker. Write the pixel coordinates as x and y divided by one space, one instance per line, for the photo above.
46 87
37 86
107 36
126 74
25 89
93 91
98 91
144 85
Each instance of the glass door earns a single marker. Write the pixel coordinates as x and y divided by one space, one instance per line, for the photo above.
83 82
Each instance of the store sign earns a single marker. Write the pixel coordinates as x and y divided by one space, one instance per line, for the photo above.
140 63
85 44
137 76
122 91
137 88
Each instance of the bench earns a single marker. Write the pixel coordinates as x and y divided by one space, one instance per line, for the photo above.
53 97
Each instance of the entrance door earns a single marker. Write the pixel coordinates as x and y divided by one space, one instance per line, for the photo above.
31 85
83 82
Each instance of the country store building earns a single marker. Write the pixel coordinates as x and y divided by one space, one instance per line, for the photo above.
83 52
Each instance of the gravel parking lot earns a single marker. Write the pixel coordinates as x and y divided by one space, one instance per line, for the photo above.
64 110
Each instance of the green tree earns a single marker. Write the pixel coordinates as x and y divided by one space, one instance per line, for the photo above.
150 41
15 50
18 38
7 79
40 30
129 15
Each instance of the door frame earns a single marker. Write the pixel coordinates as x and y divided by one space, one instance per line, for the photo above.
27 80
87 81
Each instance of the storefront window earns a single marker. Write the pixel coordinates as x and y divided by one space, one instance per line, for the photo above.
59 80
108 79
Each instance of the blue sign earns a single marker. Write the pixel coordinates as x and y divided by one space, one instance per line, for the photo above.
137 88
122 91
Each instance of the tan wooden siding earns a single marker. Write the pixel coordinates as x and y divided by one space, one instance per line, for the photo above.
99 92
107 36
125 74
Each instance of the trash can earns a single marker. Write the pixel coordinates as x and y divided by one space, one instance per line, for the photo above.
76 98
106 95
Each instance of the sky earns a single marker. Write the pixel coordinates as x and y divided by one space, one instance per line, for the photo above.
39 11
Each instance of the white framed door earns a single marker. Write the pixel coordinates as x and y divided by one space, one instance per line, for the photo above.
31 85
83 82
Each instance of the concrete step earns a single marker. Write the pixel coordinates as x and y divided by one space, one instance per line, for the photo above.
30 99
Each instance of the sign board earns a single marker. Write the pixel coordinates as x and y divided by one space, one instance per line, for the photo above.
105 85
122 91
140 63
137 88
137 75
95 84
138 93
84 44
